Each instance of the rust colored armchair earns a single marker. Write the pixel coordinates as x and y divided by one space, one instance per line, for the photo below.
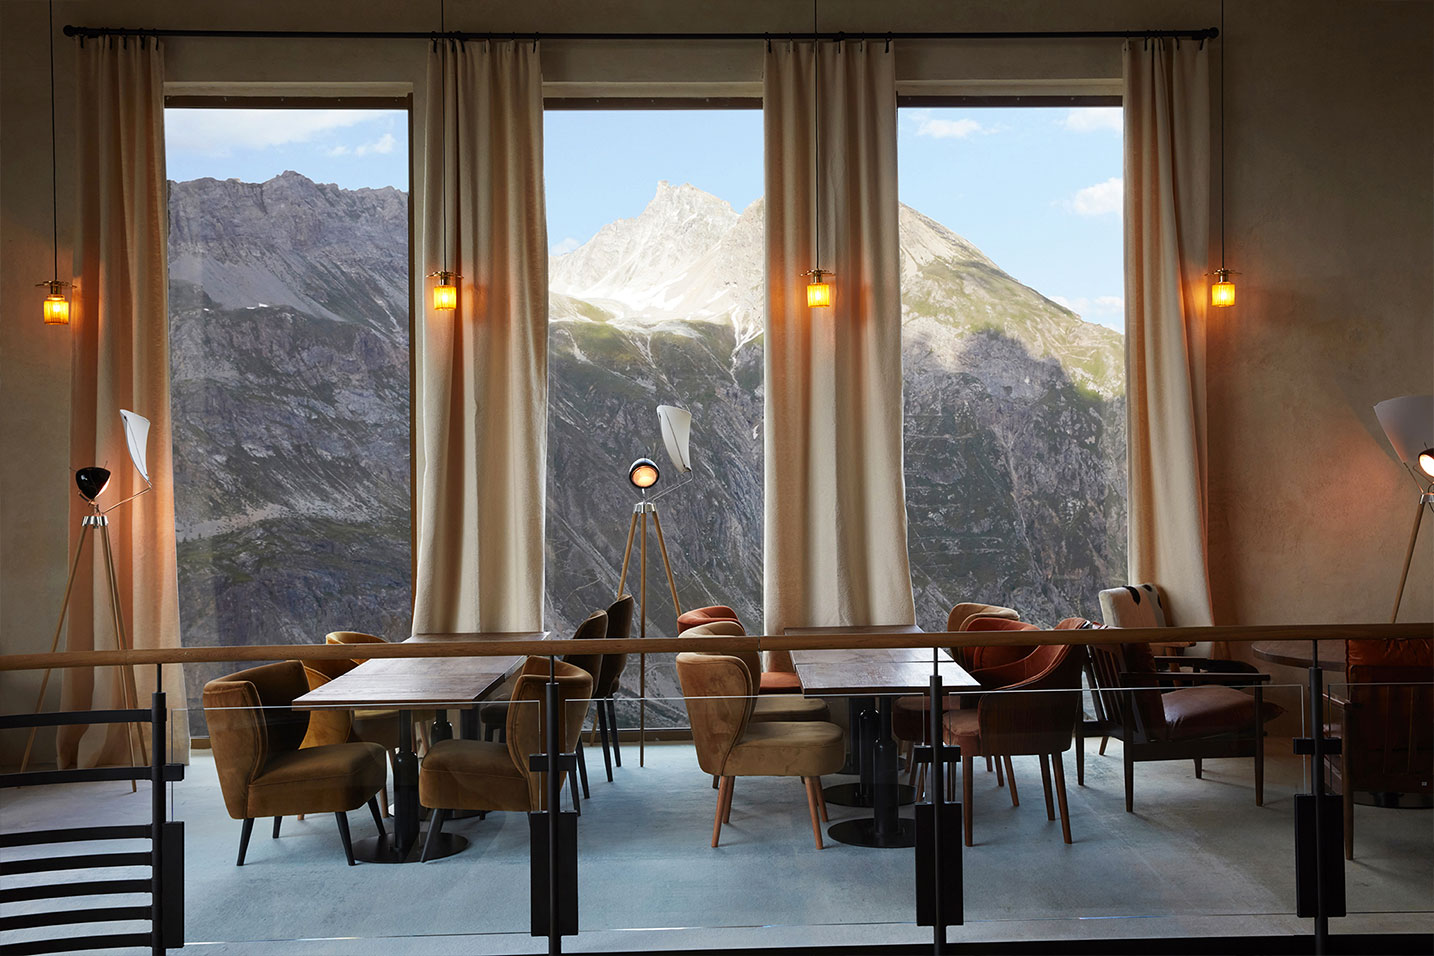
1385 717
263 772
1033 716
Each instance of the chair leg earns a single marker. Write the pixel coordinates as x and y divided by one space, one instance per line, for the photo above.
727 806
1200 769
968 764
812 809
435 827
277 821
583 771
573 788
1060 769
988 764
299 817
343 820
919 781
1103 742
377 817
600 728
722 791
1129 762
244 832
1046 786
1011 779
1000 775
821 798
1080 754
613 730
1260 767
1348 800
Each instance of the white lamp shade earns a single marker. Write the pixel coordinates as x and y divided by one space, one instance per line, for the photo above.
676 431
1409 424
136 435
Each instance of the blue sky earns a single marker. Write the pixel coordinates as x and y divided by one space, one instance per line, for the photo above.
1038 190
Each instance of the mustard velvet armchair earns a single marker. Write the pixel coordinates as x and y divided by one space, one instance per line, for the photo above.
263 772
492 775
719 691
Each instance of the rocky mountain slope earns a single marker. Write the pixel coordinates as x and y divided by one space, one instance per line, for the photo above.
289 305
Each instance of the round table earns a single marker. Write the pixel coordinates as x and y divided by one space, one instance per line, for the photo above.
1297 653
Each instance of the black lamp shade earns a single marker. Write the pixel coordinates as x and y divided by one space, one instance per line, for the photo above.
91 481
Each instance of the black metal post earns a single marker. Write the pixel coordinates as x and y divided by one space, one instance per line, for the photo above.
157 751
938 797
553 748
1321 940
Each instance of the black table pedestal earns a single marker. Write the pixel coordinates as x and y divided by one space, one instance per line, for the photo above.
885 828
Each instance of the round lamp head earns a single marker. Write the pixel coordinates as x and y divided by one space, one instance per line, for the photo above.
1426 462
91 481
643 473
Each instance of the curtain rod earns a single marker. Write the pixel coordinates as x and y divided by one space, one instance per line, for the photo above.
1208 33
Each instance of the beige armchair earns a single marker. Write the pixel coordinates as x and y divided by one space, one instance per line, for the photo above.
720 697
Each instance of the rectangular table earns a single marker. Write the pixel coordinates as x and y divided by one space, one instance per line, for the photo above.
871 677
406 685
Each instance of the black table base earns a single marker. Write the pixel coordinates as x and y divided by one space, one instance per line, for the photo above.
863 832
382 849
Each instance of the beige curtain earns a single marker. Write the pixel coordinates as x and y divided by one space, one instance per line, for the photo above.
481 371
1167 231
835 532
120 330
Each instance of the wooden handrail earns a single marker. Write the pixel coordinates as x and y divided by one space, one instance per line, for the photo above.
657 645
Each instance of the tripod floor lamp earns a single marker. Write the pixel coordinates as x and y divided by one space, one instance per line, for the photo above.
91 483
1408 423
643 474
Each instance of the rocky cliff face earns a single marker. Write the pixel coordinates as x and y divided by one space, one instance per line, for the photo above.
290 364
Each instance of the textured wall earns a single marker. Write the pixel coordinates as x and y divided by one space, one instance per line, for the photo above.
1329 217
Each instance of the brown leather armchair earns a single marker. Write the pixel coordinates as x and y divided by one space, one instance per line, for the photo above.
263 772
1205 717
488 775
1035 715
607 679
720 696
1385 717
767 706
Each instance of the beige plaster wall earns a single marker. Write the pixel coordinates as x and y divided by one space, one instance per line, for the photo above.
1329 218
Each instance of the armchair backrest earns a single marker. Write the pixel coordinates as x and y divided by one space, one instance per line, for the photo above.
961 613
1038 714
619 626
719 693
751 659
352 637
981 657
1142 709
1389 718
593 627
250 720
527 716
1134 605
329 725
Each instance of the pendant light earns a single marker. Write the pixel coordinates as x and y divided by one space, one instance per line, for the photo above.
819 291
57 305
445 291
1222 290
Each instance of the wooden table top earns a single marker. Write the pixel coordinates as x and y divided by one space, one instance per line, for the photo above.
1297 653
417 683
870 677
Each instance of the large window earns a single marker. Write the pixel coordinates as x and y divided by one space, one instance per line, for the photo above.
656 298
1013 357
289 333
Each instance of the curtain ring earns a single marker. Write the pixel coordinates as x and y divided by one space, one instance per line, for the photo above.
535 42
888 43
768 38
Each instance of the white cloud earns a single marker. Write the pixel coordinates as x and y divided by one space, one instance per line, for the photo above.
339 151
220 132
1098 200
946 129
1091 119
384 144
564 247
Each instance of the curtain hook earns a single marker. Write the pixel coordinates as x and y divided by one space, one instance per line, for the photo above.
768 38
888 43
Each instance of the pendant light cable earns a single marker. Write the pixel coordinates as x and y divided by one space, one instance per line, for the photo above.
443 125
816 141
54 176
1222 134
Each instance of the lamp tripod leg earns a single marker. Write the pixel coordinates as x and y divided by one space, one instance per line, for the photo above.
626 555
1425 498
666 564
55 643
129 693
642 658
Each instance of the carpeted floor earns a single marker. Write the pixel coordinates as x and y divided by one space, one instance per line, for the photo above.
1197 857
